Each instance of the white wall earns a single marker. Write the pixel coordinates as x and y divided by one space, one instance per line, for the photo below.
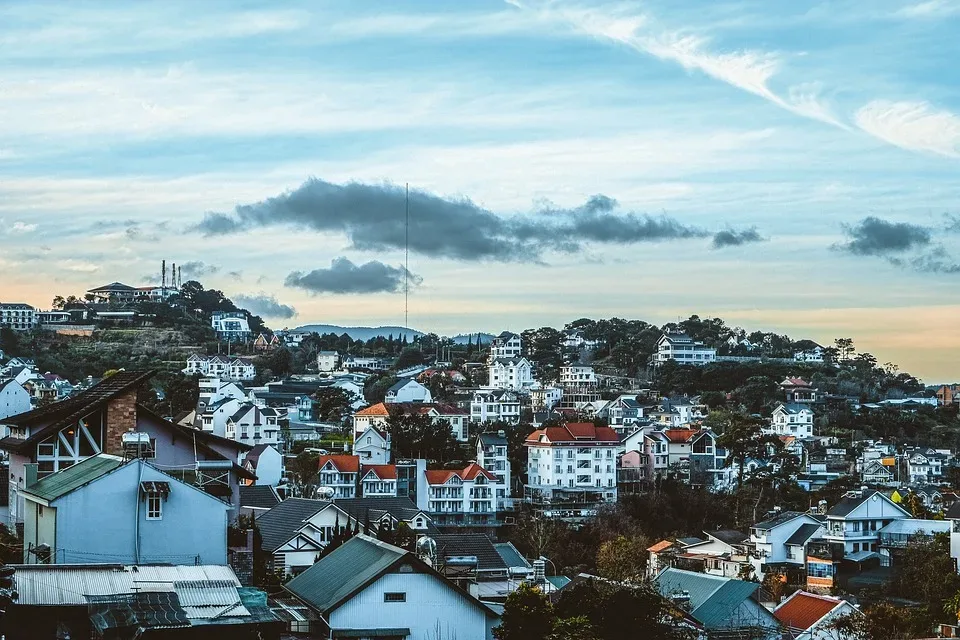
431 606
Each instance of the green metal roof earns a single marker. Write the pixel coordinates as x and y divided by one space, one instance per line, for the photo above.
713 600
59 484
347 570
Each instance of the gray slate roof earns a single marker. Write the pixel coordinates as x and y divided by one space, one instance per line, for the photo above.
470 544
399 508
259 496
280 524
777 520
730 536
802 534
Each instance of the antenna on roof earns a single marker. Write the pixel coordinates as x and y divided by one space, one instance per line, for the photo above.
406 257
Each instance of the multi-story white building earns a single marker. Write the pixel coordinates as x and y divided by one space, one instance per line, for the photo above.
681 348
510 373
408 390
14 400
856 520
543 397
506 345
575 462
792 420
232 326
577 375
926 465
495 405
339 473
689 454
378 481
328 360
372 446
254 425
814 354
492 456
226 367
461 498
769 540
18 316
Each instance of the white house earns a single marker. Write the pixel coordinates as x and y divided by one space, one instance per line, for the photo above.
266 463
808 616
544 397
328 360
18 316
14 399
572 462
810 355
493 405
339 472
461 498
926 466
219 366
506 345
213 417
372 446
396 595
253 425
856 520
492 456
769 539
792 420
408 390
296 530
681 348
232 326
510 373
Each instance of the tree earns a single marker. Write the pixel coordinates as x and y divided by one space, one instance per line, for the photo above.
845 348
623 559
280 362
306 467
527 615
743 439
58 303
926 573
881 622
578 628
409 357
333 404
420 436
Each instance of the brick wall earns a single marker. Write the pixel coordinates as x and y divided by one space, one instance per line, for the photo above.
121 417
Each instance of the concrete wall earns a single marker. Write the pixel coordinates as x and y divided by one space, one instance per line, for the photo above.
99 522
433 610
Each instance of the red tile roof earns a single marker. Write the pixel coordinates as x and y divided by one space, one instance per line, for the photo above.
383 471
680 435
803 609
660 546
439 476
575 432
343 464
473 470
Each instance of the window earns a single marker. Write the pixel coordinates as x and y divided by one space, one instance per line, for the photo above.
395 596
154 507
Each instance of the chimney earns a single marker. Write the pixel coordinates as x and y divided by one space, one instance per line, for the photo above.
121 418
30 474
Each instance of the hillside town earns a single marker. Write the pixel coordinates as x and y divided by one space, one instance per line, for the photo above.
286 484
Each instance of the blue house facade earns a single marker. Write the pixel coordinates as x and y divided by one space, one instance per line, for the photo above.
108 510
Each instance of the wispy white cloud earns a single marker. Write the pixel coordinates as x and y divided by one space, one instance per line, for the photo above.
78 266
22 227
748 70
916 126
930 9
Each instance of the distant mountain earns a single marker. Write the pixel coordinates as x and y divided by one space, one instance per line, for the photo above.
485 338
361 333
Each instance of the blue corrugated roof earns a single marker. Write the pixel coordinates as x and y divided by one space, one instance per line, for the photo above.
712 599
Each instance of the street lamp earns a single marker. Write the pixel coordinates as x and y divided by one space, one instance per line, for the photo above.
543 557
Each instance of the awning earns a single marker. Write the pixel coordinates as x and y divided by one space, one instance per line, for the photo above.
371 633
150 487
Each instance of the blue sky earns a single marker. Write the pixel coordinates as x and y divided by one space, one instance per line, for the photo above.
125 124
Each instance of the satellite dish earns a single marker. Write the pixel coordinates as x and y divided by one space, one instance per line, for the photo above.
326 493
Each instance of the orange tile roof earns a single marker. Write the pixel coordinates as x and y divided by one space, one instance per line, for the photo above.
439 476
383 471
803 609
379 409
343 463
680 435
660 546
473 470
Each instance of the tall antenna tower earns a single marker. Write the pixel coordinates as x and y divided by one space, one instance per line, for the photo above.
406 258
179 277
163 276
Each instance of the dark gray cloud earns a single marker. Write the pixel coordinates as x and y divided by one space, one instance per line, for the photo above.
344 276
236 275
733 238
263 304
196 269
373 218
877 237
937 260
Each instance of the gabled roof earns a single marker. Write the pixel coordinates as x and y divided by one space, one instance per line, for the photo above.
802 610
401 508
713 599
777 520
68 411
850 502
492 438
379 409
355 565
680 435
802 534
59 484
382 471
258 496
792 408
470 472
660 546
728 536
342 463
113 286
575 432
282 522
